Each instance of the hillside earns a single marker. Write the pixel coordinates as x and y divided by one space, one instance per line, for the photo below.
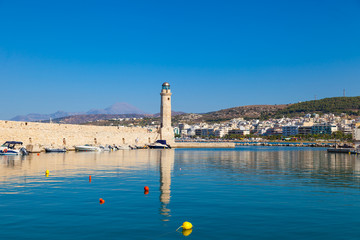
336 105
251 111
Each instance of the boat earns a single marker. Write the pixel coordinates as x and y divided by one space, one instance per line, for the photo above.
55 150
107 148
159 144
123 147
87 148
9 148
343 150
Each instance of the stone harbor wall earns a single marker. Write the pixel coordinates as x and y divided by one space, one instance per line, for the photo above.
68 135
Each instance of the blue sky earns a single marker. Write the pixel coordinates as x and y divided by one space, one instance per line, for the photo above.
78 55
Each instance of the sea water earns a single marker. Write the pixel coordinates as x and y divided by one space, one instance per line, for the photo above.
242 193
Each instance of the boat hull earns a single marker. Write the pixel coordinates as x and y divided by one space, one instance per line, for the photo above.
87 149
55 150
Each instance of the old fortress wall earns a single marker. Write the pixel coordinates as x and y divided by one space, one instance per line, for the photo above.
68 135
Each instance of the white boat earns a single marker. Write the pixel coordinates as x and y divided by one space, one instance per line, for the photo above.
11 148
88 148
123 147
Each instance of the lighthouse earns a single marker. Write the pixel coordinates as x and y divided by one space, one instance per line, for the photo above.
166 131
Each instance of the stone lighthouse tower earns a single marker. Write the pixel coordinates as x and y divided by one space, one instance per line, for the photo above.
166 131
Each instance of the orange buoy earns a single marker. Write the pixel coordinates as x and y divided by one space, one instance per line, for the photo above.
146 188
90 178
101 201
146 192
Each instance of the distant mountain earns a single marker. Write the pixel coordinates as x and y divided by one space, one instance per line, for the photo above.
117 108
33 117
85 118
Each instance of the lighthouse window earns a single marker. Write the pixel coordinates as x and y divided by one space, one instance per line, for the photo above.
168 98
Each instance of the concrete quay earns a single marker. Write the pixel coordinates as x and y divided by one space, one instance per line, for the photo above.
203 145
287 144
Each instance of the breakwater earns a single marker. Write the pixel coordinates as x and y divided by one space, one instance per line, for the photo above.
68 135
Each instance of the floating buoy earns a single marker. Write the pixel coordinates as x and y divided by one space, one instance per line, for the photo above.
90 178
46 175
146 192
187 226
101 201
146 188
47 172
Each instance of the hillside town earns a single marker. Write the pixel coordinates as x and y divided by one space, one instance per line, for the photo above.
309 124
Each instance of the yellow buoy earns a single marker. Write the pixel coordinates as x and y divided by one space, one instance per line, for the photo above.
47 172
187 226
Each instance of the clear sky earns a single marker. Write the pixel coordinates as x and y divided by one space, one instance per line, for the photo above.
78 55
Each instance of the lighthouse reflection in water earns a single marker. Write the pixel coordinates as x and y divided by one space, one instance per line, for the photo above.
166 168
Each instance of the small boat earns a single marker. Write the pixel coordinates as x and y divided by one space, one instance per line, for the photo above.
107 148
87 148
159 144
55 150
8 148
123 147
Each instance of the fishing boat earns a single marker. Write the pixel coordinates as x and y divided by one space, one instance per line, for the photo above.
87 148
12 148
159 144
55 150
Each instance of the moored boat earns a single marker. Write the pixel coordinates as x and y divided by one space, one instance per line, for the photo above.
159 144
9 148
88 148
55 150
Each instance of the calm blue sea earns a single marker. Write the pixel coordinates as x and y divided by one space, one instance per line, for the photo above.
242 193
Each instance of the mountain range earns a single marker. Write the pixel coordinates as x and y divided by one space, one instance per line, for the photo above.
117 108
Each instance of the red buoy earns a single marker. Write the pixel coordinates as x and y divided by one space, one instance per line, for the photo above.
146 188
101 201
146 192
90 178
